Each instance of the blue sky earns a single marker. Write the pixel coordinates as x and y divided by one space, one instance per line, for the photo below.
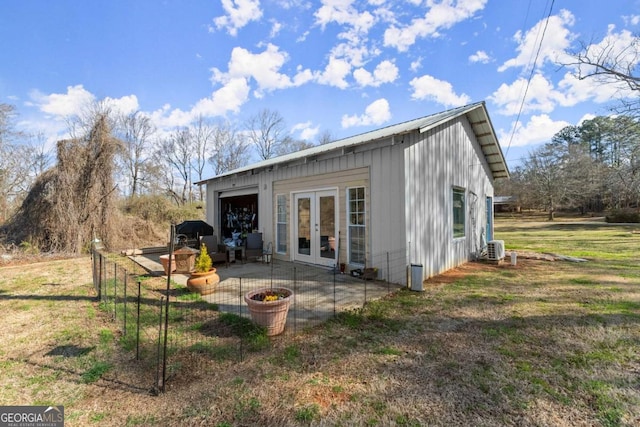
335 65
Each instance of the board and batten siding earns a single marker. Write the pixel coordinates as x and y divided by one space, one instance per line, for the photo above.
264 181
445 157
340 181
409 180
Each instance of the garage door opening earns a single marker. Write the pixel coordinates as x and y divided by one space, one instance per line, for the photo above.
239 215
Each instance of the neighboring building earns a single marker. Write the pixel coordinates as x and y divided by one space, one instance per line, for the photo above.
418 192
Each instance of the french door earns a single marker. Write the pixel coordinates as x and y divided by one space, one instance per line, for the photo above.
315 227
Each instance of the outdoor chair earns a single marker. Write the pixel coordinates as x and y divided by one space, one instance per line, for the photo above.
217 251
253 246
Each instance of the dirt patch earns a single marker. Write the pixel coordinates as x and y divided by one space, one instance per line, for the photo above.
474 267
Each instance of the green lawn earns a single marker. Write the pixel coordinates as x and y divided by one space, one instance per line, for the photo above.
537 344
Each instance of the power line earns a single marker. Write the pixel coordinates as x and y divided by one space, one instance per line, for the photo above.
533 68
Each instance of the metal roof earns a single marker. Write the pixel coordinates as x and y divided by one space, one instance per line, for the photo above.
476 114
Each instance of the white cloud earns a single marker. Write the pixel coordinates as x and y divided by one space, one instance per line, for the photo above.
443 15
58 107
62 104
307 131
575 90
228 98
541 96
275 29
539 129
239 14
631 19
480 56
335 73
376 113
586 117
354 46
385 72
303 36
125 105
416 65
621 50
440 91
342 12
556 41
76 101
263 67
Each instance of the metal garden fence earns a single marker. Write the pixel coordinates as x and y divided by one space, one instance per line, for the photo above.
173 331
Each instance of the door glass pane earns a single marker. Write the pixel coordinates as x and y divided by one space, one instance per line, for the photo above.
304 226
327 224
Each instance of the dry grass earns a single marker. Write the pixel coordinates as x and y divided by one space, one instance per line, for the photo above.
541 343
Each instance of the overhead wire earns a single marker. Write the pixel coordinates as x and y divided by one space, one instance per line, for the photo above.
531 72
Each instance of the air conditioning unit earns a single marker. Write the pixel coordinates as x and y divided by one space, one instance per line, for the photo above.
495 250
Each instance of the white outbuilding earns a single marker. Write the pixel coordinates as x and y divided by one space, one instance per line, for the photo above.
415 193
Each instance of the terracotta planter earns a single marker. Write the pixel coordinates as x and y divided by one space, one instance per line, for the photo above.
270 314
164 260
203 283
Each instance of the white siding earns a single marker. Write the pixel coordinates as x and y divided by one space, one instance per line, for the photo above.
445 157
409 199
339 180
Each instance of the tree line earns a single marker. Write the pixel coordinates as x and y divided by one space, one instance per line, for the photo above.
148 160
591 167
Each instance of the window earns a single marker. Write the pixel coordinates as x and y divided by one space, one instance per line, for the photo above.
281 224
356 225
458 213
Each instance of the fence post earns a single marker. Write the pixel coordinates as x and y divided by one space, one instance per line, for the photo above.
365 292
115 291
295 301
240 297
159 347
138 326
334 290
93 270
166 311
240 314
100 278
125 302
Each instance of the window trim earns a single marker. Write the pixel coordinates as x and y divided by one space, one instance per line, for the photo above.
463 192
362 226
283 224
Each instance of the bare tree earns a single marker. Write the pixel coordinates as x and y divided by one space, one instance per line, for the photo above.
290 145
73 202
612 63
7 160
266 130
202 133
325 137
135 131
41 159
231 149
609 62
175 153
22 159
543 170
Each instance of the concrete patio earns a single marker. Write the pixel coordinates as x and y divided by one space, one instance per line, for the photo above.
320 293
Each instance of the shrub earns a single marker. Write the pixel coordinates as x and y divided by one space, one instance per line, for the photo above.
623 216
203 260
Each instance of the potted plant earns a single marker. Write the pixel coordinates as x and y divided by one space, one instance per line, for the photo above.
203 279
269 307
